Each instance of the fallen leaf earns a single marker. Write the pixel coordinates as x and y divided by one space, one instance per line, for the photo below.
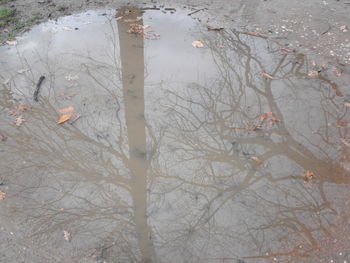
66 235
266 75
313 73
64 118
67 95
20 108
262 117
67 28
343 28
337 72
210 28
119 17
145 27
257 160
347 104
308 175
19 120
197 44
2 195
66 110
11 42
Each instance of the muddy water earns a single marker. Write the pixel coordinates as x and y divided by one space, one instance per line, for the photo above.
231 152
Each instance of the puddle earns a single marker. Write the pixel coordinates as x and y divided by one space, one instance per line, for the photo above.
227 153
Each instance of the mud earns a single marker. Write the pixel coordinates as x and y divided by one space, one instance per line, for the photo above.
234 152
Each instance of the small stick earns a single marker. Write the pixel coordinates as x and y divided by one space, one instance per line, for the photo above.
196 11
37 90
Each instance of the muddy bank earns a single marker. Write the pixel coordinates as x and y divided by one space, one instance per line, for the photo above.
320 27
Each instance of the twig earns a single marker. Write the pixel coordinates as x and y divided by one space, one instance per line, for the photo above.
37 90
196 11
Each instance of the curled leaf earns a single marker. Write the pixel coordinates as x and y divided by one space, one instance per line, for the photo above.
257 160
197 44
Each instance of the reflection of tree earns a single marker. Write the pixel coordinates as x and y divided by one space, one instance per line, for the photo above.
198 195
132 62
205 118
93 183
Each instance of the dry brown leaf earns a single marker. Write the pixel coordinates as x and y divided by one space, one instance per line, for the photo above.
19 120
66 110
266 75
2 195
11 42
66 235
313 73
197 44
64 118
20 108
308 176
257 160
347 104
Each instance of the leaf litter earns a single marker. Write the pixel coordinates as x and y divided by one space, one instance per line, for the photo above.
308 176
67 114
19 120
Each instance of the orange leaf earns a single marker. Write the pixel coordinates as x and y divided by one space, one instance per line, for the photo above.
308 176
262 117
64 118
257 160
66 110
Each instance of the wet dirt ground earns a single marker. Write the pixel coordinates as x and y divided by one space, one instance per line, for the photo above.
236 151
